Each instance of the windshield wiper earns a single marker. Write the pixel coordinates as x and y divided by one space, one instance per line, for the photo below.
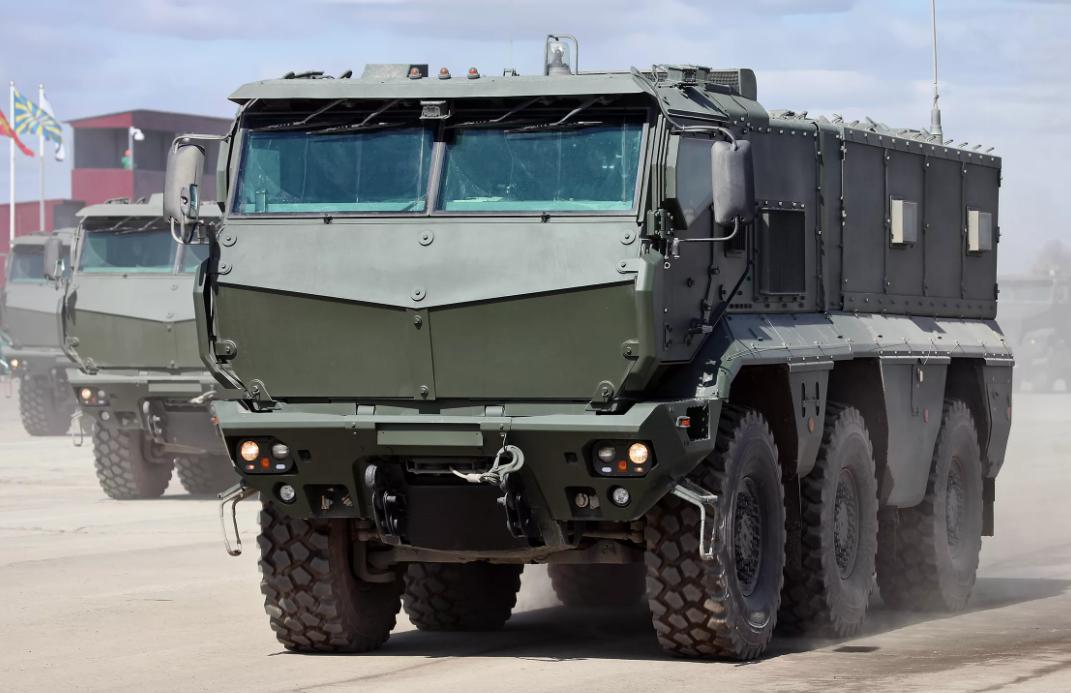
555 126
500 119
307 124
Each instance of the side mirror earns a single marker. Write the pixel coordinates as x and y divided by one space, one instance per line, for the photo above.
52 264
733 178
182 187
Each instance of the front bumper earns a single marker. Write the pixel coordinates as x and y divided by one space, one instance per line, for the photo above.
158 403
332 452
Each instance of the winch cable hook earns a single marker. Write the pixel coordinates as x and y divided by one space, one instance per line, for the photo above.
498 472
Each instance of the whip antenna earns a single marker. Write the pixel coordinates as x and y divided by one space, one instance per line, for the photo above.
935 112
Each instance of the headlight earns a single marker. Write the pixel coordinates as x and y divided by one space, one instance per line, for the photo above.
638 453
249 450
606 453
15 363
86 394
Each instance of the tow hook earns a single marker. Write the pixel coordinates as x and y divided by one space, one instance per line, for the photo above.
234 495
707 502
78 438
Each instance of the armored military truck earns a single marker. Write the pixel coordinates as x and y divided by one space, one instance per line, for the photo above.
1035 314
127 322
30 336
619 323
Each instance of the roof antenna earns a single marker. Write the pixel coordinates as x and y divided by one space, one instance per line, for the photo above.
935 112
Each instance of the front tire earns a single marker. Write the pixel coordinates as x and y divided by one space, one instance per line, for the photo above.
122 470
828 589
461 596
205 475
601 585
930 561
41 414
725 607
314 601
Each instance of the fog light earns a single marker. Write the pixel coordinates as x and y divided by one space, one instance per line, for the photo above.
607 453
249 450
280 451
638 453
620 496
105 416
86 394
287 494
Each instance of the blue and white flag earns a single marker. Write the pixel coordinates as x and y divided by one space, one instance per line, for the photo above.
31 118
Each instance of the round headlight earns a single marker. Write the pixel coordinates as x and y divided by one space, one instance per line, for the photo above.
606 453
620 496
14 363
249 450
86 394
638 453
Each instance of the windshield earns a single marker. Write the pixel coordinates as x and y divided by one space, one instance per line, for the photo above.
499 170
127 251
28 264
309 172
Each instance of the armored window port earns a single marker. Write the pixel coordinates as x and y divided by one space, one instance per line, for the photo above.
979 231
904 222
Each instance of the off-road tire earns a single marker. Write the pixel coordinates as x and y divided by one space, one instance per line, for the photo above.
460 596
930 561
122 470
725 607
205 475
314 601
600 584
41 414
828 587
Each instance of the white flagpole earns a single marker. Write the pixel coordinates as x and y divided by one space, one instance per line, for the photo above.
11 167
41 153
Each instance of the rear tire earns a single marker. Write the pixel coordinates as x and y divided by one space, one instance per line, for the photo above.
314 601
41 414
930 561
725 607
828 589
205 475
122 470
461 596
598 584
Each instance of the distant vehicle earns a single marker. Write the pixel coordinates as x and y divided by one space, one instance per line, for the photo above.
29 336
630 324
127 321
1035 314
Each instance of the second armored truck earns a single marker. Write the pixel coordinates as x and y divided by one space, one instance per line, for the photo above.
620 323
128 325
30 335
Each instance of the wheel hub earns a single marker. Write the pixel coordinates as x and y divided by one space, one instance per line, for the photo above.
846 524
747 537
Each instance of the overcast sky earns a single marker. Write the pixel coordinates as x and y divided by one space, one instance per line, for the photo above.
1004 63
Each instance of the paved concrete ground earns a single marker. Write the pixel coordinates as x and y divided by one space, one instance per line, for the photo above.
139 596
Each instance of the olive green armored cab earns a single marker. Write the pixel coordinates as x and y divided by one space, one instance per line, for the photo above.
128 326
29 335
629 324
1035 313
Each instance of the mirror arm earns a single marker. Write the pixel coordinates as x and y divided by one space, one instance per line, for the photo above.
674 245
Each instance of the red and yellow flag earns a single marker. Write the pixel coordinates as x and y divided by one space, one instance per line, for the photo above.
6 131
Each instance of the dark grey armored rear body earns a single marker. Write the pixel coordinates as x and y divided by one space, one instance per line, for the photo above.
128 327
546 306
29 335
